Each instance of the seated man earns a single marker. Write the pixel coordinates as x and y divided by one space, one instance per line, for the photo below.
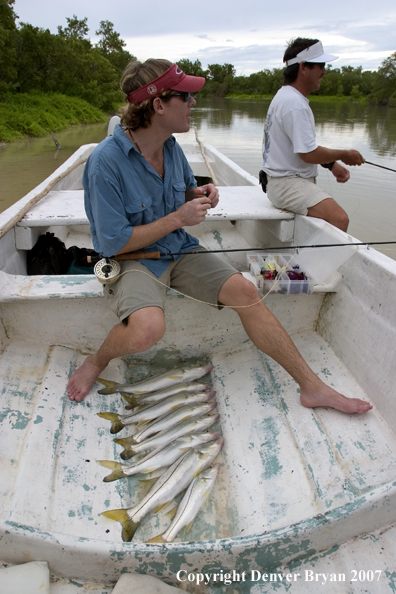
291 154
135 185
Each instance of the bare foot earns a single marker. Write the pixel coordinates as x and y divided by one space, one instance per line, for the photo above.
83 379
326 396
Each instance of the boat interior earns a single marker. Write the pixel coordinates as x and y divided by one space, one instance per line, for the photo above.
299 480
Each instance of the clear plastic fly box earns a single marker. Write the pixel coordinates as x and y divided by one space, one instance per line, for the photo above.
279 273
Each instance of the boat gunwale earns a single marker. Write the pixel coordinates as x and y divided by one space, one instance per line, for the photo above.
278 546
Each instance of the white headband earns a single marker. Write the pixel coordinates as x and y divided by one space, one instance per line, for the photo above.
313 53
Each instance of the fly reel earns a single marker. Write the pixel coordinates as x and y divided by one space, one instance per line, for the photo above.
107 270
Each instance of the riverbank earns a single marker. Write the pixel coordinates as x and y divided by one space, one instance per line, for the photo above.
312 98
39 114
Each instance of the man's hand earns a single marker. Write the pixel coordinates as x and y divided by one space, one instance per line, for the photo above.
210 192
352 157
194 211
324 155
340 173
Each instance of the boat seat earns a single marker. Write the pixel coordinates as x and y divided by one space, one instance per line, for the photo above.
58 208
239 203
66 207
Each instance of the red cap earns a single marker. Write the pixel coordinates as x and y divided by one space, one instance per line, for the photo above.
173 79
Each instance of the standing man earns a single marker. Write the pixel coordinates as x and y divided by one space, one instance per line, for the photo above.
290 151
135 186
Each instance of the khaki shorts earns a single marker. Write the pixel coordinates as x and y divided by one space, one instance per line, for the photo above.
295 193
198 275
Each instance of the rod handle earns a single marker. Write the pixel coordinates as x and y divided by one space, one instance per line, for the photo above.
138 256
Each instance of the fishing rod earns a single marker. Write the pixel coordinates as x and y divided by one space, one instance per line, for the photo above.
272 249
108 270
382 166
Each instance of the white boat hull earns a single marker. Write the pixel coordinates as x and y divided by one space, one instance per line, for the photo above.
294 482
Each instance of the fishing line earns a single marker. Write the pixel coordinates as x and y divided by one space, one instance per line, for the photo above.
276 282
334 187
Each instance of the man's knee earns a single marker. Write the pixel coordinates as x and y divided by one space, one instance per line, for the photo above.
145 329
237 290
343 221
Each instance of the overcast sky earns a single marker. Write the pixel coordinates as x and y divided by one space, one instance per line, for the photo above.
250 34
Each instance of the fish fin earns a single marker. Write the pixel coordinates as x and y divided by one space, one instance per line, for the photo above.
147 483
125 441
117 470
170 508
156 539
188 526
128 527
116 423
110 387
172 512
131 400
142 422
159 507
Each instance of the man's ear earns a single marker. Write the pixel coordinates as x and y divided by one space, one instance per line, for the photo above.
158 106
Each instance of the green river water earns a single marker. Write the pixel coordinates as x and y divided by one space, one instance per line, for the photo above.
235 127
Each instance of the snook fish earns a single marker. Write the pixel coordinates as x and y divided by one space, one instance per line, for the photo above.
159 382
171 419
149 412
175 480
192 425
152 397
161 457
193 499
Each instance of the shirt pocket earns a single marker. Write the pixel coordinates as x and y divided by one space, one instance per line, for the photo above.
179 193
140 211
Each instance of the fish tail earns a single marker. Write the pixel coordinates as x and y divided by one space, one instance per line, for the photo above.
127 454
131 400
116 423
128 527
128 451
110 387
156 539
115 467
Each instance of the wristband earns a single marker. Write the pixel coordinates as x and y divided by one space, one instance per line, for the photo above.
328 165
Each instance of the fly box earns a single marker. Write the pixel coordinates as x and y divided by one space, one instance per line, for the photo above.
279 273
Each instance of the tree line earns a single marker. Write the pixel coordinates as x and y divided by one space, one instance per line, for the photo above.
377 87
33 59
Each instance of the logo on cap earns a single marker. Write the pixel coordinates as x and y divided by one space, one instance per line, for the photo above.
152 89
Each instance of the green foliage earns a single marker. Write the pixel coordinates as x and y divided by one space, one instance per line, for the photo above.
384 87
112 47
345 83
193 68
75 30
37 114
33 59
8 31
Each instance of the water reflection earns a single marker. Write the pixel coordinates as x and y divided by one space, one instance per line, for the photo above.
235 127
27 162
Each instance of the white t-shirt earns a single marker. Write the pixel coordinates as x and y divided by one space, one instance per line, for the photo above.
289 130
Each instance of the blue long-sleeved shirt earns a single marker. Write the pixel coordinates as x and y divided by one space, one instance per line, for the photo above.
121 190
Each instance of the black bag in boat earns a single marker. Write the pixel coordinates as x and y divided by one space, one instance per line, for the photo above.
48 256
82 260
263 180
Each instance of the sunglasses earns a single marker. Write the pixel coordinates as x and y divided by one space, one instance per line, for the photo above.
185 95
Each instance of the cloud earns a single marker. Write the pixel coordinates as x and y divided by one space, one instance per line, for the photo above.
246 34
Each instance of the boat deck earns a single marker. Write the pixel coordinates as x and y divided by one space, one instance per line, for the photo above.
282 464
